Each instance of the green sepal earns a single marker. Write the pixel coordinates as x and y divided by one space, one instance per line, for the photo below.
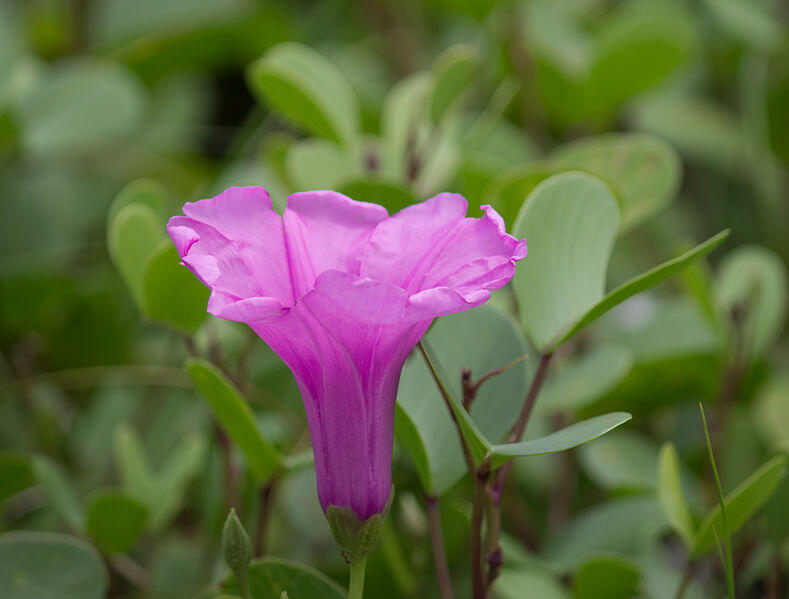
235 544
356 538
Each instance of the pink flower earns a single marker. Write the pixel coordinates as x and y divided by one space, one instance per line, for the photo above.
342 292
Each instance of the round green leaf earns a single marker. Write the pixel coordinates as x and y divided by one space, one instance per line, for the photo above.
610 576
482 339
634 52
753 280
772 411
115 520
270 577
82 104
140 191
49 566
15 473
173 294
132 237
642 169
570 222
514 583
301 84
621 460
319 164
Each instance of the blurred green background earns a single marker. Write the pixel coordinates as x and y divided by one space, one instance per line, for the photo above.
681 106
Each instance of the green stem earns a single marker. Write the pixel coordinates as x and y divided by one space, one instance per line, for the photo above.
356 586
243 583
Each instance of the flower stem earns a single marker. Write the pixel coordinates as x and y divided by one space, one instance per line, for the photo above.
356 585
437 545
243 584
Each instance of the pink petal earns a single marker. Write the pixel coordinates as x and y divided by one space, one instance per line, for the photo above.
326 230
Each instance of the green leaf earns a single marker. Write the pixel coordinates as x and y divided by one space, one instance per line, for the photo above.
754 279
483 340
585 379
301 84
509 190
319 164
513 582
403 118
633 54
644 281
115 520
621 461
82 104
140 191
697 127
771 411
391 196
742 503
235 416
749 22
269 577
643 170
132 237
162 493
610 576
172 294
45 565
16 473
453 72
671 496
619 525
570 222
562 440
59 491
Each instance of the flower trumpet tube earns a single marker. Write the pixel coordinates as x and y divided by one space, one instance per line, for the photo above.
342 292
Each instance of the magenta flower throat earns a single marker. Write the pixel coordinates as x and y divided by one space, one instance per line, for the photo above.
342 292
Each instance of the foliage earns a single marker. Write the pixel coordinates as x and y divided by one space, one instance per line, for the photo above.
615 136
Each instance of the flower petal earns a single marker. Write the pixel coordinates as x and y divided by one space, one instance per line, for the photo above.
400 245
235 245
433 246
326 230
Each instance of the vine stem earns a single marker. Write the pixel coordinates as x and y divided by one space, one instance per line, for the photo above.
480 491
437 545
356 585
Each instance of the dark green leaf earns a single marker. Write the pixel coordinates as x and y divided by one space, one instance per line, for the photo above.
114 520
15 473
173 294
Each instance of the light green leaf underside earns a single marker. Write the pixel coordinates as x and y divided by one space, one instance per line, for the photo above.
562 440
570 222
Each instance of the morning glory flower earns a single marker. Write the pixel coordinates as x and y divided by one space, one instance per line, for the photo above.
342 292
